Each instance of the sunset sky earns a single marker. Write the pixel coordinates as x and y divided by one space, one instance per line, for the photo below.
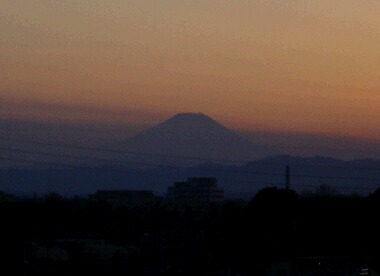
292 66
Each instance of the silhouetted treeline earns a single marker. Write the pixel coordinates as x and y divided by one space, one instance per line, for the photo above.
57 236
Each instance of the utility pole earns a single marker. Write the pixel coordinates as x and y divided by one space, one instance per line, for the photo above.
287 177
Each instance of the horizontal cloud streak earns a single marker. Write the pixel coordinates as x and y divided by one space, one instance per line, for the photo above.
74 113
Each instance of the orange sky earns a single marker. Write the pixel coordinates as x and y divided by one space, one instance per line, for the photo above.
304 66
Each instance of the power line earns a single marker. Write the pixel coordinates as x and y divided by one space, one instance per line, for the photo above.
49 154
33 142
205 159
138 172
48 163
183 167
118 161
144 172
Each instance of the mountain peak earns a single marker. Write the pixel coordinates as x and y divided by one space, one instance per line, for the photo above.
197 124
190 116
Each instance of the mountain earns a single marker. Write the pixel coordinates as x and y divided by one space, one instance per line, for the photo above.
192 135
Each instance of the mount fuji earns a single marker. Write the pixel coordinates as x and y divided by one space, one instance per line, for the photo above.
190 138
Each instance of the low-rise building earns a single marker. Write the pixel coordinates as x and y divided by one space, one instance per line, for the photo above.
196 189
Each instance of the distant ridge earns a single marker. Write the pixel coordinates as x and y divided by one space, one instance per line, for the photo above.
308 174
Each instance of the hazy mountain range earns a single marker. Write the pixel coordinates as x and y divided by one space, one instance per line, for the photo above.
187 144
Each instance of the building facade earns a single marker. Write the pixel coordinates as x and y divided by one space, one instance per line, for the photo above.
196 189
